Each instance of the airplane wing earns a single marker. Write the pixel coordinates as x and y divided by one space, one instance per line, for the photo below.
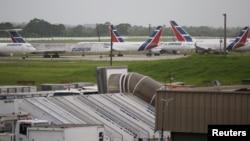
200 49
119 49
48 51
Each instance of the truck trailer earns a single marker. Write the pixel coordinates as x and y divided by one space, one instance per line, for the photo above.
66 132
21 128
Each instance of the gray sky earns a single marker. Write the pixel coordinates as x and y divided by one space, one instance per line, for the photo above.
134 12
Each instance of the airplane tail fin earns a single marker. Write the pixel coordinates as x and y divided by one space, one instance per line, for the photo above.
240 40
115 36
15 36
153 40
180 33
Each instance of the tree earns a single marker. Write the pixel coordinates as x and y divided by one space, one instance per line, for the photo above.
103 29
41 28
123 28
3 26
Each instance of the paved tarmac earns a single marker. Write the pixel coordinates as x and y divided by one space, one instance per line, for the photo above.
129 57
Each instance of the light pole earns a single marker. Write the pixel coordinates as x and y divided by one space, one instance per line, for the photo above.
220 44
225 32
98 32
171 78
111 44
163 112
149 29
111 48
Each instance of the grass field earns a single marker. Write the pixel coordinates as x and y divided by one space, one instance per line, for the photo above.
200 70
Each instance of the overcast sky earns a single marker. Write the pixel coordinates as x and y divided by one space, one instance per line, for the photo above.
134 12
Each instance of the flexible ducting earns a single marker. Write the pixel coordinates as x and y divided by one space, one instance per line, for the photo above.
140 85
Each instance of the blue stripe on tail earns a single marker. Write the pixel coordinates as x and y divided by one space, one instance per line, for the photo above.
16 37
148 43
237 42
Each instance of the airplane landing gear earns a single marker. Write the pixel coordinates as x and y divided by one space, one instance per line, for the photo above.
46 55
120 54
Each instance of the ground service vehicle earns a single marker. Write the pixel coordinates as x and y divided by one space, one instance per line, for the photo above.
21 128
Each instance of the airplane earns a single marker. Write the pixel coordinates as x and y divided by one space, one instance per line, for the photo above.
17 38
183 36
172 48
118 43
19 45
80 47
100 47
241 42
202 45
217 47
185 42
150 43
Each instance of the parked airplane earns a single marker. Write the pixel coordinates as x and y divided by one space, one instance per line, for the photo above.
218 47
19 45
183 36
80 47
118 43
202 45
241 42
100 47
150 43
16 38
185 42
173 48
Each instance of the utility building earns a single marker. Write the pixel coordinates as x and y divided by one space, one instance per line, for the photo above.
187 113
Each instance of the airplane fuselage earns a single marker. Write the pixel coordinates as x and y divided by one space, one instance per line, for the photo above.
16 48
90 47
127 46
212 46
176 45
246 47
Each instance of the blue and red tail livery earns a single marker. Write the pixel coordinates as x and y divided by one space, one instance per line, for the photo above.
16 37
180 33
115 36
153 40
240 40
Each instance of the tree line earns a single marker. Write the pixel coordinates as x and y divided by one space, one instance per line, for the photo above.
41 28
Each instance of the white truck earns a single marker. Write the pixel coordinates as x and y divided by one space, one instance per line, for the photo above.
66 132
14 128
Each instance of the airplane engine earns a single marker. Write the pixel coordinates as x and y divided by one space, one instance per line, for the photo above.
157 51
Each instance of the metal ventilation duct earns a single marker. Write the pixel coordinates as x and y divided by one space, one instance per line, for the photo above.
137 84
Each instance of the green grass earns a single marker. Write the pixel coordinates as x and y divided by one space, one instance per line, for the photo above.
198 70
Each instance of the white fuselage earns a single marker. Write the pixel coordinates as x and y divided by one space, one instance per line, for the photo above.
91 47
211 45
172 47
127 46
16 48
214 45
105 46
246 47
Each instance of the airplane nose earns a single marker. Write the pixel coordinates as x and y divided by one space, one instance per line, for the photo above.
32 49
